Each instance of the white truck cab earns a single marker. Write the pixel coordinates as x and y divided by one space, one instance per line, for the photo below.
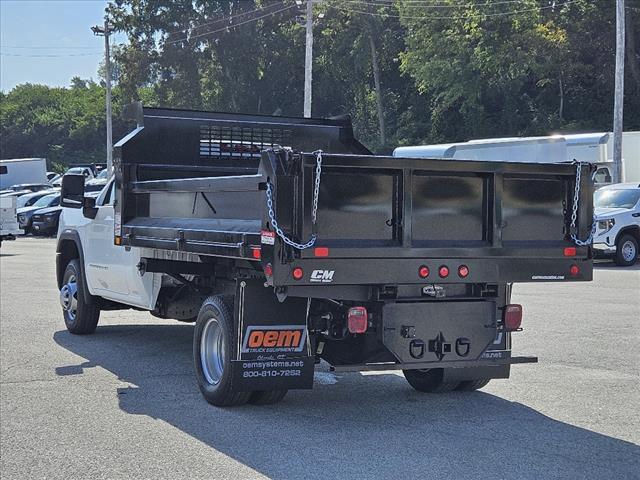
110 270
617 211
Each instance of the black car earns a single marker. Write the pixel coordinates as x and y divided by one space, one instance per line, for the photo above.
25 214
45 221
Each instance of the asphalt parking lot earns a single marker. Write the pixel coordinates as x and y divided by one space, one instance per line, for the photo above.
123 403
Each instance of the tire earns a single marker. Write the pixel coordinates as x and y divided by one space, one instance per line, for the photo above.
214 345
429 381
471 385
80 317
626 251
267 397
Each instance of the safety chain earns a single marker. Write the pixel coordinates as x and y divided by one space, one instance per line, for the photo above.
574 213
314 209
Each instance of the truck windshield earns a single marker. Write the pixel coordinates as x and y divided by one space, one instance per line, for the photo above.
616 198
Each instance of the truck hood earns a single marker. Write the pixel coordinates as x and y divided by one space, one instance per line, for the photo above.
602 213
44 211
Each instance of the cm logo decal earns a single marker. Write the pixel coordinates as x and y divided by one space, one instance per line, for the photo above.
274 339
322 276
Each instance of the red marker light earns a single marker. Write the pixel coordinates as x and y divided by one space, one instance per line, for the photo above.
463 271
255 252
321 251
574 270
357 320
512 316
298 273
423 271
443 271
268 270
570 251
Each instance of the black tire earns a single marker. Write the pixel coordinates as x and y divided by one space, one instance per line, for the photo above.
267 397
471 385
429 381
84 319
626 251
220 392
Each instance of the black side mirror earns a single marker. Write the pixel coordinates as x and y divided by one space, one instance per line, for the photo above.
89 209
72 194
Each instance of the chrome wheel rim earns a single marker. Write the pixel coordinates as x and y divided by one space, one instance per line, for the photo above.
628 251
212 351
69 297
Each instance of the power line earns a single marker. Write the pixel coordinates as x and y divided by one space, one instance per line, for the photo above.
454 17
222 18
43 55
229 26
47 47
426 5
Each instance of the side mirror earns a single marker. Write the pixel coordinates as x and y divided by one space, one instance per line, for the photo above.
89 209
72 194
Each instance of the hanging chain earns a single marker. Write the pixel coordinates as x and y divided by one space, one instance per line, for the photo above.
314 209
574 212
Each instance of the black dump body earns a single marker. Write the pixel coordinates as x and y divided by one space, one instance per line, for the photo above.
196 182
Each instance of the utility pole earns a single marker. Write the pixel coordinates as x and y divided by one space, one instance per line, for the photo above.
619 93
106 31
308 61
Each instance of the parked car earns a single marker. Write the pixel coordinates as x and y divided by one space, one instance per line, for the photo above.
51 175
86 171
15 193
617 210
30 198
25 214
45 221
32 187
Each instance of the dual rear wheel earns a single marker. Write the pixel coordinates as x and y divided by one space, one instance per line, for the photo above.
213 347
432 381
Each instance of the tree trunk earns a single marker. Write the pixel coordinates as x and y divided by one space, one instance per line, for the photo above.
632 56
376 81
561 107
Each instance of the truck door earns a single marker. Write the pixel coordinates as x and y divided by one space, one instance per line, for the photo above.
111 269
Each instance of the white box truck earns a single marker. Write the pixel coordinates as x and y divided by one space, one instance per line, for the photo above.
22 170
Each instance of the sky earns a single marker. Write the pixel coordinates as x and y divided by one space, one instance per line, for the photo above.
49 41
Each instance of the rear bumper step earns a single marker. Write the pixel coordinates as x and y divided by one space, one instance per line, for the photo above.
425 365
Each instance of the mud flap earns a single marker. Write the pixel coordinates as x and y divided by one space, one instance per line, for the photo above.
273 350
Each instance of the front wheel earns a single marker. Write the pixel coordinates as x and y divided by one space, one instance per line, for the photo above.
80 317
626 251
214 345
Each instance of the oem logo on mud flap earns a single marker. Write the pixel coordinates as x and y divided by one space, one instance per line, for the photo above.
274 339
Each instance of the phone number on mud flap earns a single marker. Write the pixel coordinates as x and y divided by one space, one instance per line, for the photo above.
273 373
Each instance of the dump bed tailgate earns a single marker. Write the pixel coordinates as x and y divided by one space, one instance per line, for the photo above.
388 216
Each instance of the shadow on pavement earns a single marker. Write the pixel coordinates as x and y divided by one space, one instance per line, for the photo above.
364 427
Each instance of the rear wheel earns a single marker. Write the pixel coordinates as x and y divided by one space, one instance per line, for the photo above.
214 345
429 381
626 251
471 385
80 316
267 397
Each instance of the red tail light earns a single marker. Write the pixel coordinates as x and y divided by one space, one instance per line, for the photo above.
570 251
443 271
321 251
423 271
255 252
268 270
463 271
357 320
574 270
298 273
512 317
